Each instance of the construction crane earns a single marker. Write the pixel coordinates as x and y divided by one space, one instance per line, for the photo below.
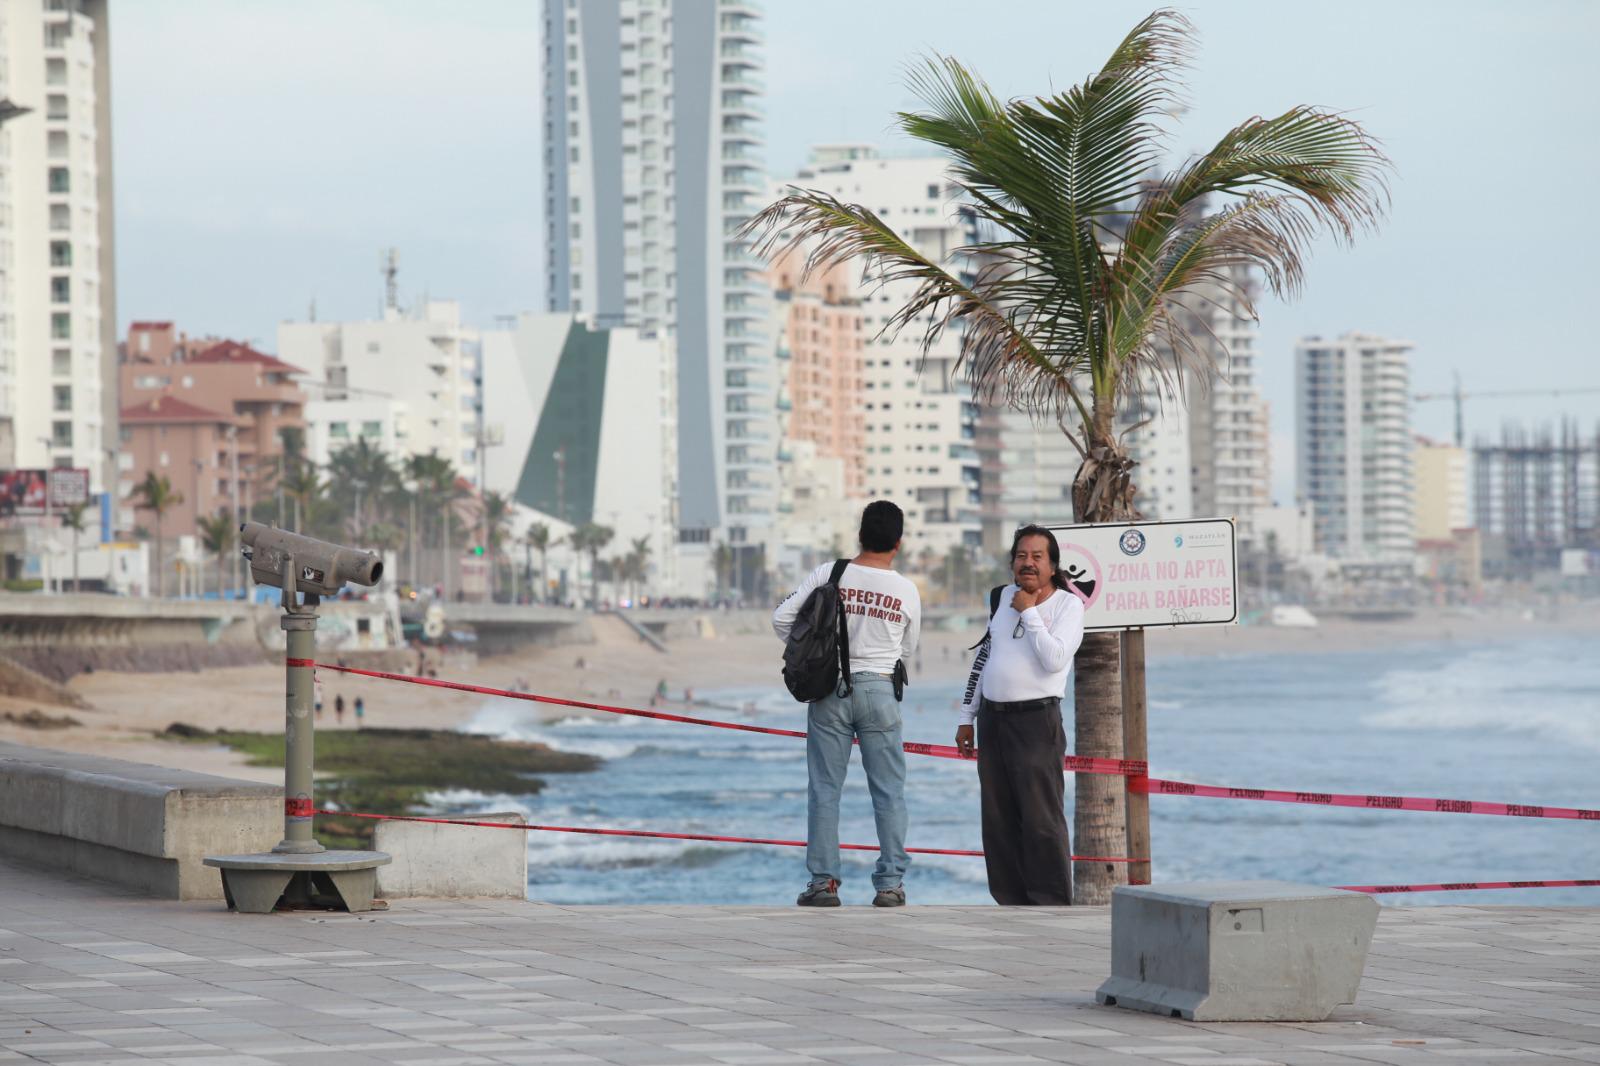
1457 395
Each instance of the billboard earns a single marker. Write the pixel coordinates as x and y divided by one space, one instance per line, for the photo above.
22 492
1139 575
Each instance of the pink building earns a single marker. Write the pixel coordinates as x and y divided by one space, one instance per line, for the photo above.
250 397
825 385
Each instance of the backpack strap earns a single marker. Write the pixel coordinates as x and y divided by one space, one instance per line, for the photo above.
844 628
994 606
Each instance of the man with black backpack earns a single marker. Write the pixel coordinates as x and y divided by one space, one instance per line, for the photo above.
847 630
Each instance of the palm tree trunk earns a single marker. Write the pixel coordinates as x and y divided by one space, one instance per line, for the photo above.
161 571
544 574
76 586
1098 821
1101 492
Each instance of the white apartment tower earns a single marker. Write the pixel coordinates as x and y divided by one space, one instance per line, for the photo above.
1354 457
58 403
652 162
410 378
920 418
1229 458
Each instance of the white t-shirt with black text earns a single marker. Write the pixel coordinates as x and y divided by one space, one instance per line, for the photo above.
883 614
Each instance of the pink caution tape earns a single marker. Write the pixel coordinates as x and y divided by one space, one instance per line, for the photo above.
1072 763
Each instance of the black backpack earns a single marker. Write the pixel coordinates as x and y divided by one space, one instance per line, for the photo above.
994 605
816 657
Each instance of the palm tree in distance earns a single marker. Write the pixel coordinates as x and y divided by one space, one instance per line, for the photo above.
1092 273
497 521
537 538
435 477
156 495
216 536
73 519
592 538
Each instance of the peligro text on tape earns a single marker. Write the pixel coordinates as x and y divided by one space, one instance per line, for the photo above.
1157 786
653 835
1466 886
1072 763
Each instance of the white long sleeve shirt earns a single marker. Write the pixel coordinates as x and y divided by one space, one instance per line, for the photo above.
1032 666
883 614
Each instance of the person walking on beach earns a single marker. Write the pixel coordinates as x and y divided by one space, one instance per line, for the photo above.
1014 692
338 708
317 696
883 619
361 709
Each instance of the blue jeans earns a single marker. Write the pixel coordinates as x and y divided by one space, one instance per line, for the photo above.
871 714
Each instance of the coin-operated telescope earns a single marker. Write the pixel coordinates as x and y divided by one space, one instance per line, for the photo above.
315 566
300 872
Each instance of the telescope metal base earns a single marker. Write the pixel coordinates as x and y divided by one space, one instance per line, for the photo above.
329 880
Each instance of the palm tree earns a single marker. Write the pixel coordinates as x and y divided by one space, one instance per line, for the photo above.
592 538
722 559
639 557
156 495
369 475
537 538
435 477
72 518
216 536
1091 271
497 523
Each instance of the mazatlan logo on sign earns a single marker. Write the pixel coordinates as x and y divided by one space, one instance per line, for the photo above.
1136 575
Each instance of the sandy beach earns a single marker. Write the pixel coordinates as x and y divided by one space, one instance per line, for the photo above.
127 710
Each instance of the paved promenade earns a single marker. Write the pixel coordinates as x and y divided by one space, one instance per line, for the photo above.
90 975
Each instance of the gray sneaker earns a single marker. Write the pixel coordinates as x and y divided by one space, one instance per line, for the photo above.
820 894
890 897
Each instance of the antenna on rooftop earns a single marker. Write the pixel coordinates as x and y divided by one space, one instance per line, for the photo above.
389 267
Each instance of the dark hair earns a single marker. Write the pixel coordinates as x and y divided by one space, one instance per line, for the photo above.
1057 578
882 523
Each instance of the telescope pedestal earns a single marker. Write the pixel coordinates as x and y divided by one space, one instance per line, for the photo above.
299 874
328 880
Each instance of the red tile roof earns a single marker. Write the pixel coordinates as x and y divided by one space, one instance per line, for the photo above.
132 326
166 408
234 352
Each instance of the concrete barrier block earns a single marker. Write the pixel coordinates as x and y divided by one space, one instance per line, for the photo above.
1226 951
147 827
454 861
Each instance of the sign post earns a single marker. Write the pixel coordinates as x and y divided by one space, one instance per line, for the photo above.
1133 576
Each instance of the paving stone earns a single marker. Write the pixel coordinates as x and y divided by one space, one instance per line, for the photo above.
89 974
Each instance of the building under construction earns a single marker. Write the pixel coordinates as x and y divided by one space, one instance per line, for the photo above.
1536 494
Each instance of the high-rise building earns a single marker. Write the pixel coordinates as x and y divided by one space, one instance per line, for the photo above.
412 375
820 350
1441 479
1535 494
919 415
652 162
1229 457
1354 461
590 431
819 344
58 401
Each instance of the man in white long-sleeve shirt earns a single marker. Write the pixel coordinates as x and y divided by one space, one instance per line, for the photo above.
1014 694
883 616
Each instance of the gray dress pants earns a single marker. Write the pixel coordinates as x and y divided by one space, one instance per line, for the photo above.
1025 842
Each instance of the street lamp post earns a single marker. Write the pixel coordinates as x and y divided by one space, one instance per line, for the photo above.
45 567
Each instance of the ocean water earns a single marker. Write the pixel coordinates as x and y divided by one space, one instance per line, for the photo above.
1506 722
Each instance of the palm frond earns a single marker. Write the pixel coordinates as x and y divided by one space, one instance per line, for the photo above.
823 232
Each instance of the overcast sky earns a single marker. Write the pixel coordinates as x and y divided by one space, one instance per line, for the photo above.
266 152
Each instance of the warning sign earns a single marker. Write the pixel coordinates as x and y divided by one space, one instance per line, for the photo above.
1139 575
